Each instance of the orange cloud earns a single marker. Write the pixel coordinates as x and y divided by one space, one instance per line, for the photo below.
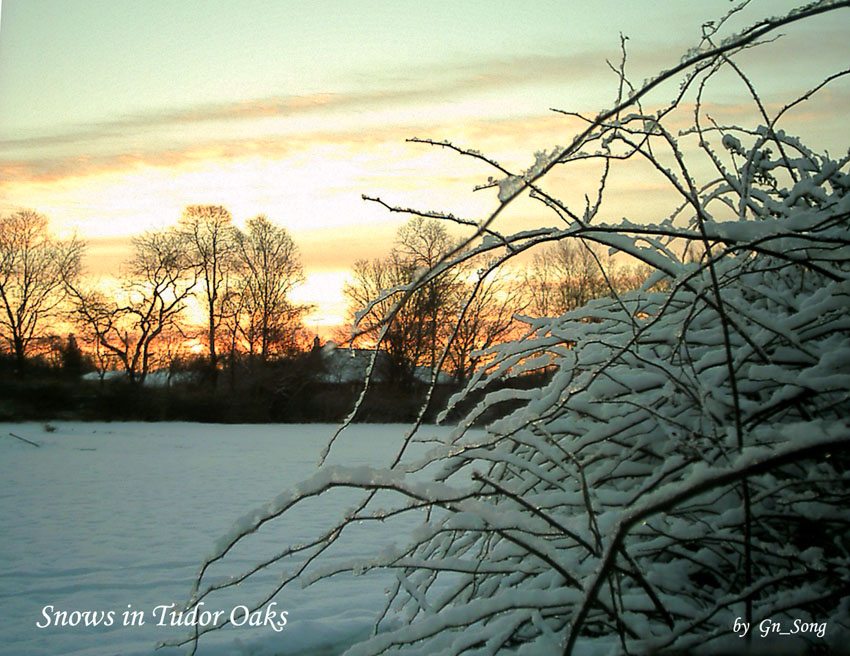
170 152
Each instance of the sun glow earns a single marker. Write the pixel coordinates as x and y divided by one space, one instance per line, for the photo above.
323 290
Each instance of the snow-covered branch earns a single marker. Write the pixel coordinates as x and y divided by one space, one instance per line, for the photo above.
657 462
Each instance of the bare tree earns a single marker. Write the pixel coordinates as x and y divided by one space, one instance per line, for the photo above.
488 319
417 332
422 243
372 286
33 270
421 327
152 296
269 267
234 320
209 234
566 275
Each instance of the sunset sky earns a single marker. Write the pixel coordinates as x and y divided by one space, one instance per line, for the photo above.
116 114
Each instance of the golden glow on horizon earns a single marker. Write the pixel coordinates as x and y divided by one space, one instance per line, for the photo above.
312 183
326 286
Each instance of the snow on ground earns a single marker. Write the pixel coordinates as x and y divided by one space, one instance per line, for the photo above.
118 516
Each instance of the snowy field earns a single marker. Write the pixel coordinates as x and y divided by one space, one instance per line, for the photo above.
118 516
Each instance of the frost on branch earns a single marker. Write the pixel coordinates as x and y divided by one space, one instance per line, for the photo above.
682 461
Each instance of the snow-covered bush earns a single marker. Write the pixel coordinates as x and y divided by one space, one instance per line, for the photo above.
684 468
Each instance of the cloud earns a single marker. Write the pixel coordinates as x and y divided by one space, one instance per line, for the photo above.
357 138
481 102
416 86
273 125
499 137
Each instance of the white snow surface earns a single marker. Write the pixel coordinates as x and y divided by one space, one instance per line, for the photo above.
106 515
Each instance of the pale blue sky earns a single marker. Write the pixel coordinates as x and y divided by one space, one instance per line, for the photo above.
76 62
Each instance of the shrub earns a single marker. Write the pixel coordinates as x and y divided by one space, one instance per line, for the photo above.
683 470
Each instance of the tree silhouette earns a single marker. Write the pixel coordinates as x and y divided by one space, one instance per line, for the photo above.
269 267
160 278
421 327
34 268
210 237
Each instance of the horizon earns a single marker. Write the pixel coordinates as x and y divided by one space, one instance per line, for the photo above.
267 108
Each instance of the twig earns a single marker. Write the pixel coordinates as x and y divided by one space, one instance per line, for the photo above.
23 439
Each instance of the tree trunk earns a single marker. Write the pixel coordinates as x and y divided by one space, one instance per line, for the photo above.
213 363
20 355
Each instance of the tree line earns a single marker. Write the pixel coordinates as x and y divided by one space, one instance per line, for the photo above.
241 280
465 311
